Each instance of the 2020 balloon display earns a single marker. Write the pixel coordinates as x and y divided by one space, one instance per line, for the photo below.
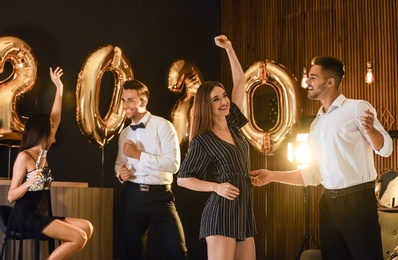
283 83
182 74
98 130
22 78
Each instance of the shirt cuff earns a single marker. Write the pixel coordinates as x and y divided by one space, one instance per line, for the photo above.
386 150
144 159
120 179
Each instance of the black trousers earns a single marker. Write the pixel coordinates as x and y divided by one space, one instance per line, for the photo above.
349 227
141 208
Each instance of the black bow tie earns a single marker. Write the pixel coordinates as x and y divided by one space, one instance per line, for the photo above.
135 127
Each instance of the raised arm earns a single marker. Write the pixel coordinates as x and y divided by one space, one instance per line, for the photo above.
57 105
238 75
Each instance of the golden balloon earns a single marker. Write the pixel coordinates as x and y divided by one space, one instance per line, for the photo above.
98 130
183 73
23 77
279 83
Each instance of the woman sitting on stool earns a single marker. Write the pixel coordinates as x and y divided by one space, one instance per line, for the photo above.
30 185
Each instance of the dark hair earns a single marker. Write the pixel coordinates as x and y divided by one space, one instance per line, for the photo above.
201 119
141 88
37 130
332 67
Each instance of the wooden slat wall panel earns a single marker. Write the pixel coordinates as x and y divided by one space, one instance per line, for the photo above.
292 32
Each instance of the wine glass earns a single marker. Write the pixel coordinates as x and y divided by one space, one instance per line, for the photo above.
43 183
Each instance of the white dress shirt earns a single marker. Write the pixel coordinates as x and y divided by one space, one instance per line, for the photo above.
342 152
160 151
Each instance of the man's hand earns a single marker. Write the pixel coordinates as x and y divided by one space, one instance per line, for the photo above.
261 177
130 150
124 173
367 120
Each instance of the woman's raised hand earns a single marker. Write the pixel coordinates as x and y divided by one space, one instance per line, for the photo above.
56 76
222 41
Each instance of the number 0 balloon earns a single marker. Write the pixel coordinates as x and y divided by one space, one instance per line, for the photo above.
100 130
23 76
275 76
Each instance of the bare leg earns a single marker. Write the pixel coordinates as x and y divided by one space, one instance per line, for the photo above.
220 247
226 248
245 250
83 224
72 236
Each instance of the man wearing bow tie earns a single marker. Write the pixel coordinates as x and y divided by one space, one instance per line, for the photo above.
148 156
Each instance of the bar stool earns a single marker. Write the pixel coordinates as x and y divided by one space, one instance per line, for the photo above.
16 236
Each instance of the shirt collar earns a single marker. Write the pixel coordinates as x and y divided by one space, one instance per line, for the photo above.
143 120
338 102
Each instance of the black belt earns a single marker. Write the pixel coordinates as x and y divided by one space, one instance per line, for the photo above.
148 187
350 190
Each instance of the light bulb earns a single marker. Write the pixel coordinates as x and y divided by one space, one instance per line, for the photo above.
299 152
369 73
304 78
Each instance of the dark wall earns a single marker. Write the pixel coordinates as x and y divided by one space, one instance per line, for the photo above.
152 34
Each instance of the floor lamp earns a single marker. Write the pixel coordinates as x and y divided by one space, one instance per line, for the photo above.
305 244
299 153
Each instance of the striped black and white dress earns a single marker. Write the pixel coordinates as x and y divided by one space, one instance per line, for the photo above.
208 154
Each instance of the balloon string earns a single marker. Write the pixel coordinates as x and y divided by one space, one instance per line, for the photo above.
263 72
266 162
9 161
102 167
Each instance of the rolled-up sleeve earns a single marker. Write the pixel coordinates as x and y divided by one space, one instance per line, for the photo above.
311 175
387 148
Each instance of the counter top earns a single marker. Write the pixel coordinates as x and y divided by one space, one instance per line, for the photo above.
54 183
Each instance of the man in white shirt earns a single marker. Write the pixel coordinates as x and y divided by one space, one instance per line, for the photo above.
148 156
342 138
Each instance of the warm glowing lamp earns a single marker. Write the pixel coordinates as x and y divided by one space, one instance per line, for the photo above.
369 73
304 78
299 152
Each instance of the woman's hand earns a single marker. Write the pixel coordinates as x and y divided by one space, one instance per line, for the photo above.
238 76
222 41
227 190
56 77
33 177
57 105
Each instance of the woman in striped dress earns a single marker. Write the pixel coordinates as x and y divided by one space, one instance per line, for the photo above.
218 148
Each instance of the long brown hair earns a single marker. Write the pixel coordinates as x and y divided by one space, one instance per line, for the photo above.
201 119
37 130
